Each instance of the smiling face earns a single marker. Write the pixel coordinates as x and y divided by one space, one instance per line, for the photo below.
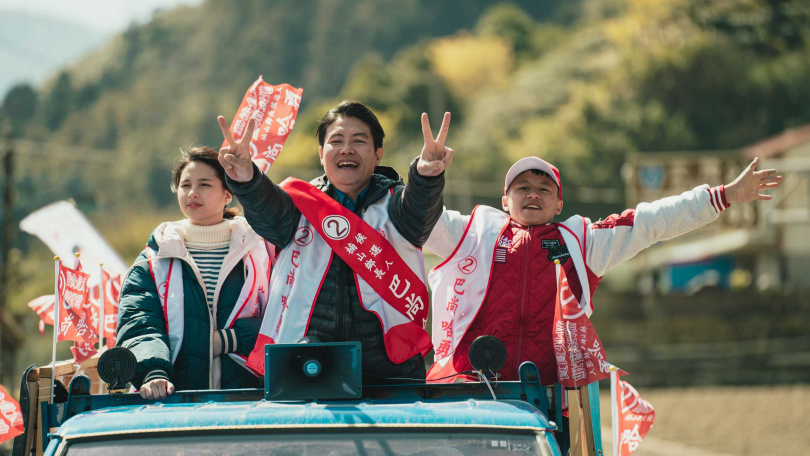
348 155
202 195
532 199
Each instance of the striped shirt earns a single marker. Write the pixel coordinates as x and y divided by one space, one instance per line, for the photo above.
209 262
208 246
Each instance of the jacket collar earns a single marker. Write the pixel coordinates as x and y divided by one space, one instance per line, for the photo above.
168 238
384 178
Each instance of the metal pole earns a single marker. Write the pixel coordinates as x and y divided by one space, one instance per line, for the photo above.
57 303
102 287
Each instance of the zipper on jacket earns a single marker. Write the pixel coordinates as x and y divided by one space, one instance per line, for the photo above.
211 318
345 274
524 285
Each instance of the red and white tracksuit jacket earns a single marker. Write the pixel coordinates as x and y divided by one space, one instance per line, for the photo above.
499 278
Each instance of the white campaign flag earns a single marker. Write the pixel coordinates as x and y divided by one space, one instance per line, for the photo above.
66 231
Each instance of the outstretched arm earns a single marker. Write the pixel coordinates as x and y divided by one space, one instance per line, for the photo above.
268 209
620 237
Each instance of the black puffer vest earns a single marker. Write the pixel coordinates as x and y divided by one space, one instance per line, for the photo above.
338 315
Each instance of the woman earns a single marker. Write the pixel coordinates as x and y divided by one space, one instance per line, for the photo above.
192 304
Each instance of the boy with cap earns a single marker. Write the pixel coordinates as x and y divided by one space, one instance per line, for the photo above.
499 278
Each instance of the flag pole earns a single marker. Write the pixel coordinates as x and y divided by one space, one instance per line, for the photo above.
576 415
614 408
56 305
102 292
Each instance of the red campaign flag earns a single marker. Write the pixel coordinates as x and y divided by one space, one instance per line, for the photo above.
82 351
76 313
636 417
274 109
43 306
11 421
112 287
580 355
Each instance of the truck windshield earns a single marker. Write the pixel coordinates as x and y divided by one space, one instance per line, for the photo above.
383 443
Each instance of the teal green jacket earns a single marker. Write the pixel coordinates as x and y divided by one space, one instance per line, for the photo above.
142 325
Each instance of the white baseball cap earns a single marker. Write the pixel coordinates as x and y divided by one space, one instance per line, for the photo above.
525 164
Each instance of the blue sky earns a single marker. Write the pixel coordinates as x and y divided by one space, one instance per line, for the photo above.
108 16
38 37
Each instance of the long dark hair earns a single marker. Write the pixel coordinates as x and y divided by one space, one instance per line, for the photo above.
207 155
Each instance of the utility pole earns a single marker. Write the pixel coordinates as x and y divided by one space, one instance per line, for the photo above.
6 239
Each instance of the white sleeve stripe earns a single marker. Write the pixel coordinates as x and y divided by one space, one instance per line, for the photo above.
718 198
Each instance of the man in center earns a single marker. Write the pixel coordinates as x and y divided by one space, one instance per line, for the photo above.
350 266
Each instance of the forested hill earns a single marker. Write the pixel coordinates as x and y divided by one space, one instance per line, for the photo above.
581 83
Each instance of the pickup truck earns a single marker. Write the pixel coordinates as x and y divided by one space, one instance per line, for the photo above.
408 418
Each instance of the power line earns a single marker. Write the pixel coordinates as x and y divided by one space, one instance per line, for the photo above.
80 154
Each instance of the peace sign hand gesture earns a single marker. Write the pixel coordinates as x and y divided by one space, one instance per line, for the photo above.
746 186
435 156
235 157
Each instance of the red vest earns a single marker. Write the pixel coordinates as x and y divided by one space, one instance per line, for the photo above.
527 277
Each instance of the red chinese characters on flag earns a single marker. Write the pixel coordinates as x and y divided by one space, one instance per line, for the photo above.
636 417
11 421
274 109
82 351
75 312
580 356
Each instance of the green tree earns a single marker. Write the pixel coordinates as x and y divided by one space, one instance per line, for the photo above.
19 107
511 24
58 103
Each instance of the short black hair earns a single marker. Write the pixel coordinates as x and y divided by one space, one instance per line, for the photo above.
354 109
541 173
538 172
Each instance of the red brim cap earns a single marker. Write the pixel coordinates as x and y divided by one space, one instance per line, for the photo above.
525 164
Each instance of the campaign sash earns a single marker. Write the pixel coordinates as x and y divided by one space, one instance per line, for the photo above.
369 247
347 235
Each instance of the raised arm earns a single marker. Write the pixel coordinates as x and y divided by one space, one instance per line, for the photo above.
415 208
268 209
620 237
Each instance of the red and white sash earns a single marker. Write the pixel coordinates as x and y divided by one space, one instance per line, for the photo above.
389 272
168 276
461 282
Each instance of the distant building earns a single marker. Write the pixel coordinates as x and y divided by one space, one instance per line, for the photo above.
765 245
